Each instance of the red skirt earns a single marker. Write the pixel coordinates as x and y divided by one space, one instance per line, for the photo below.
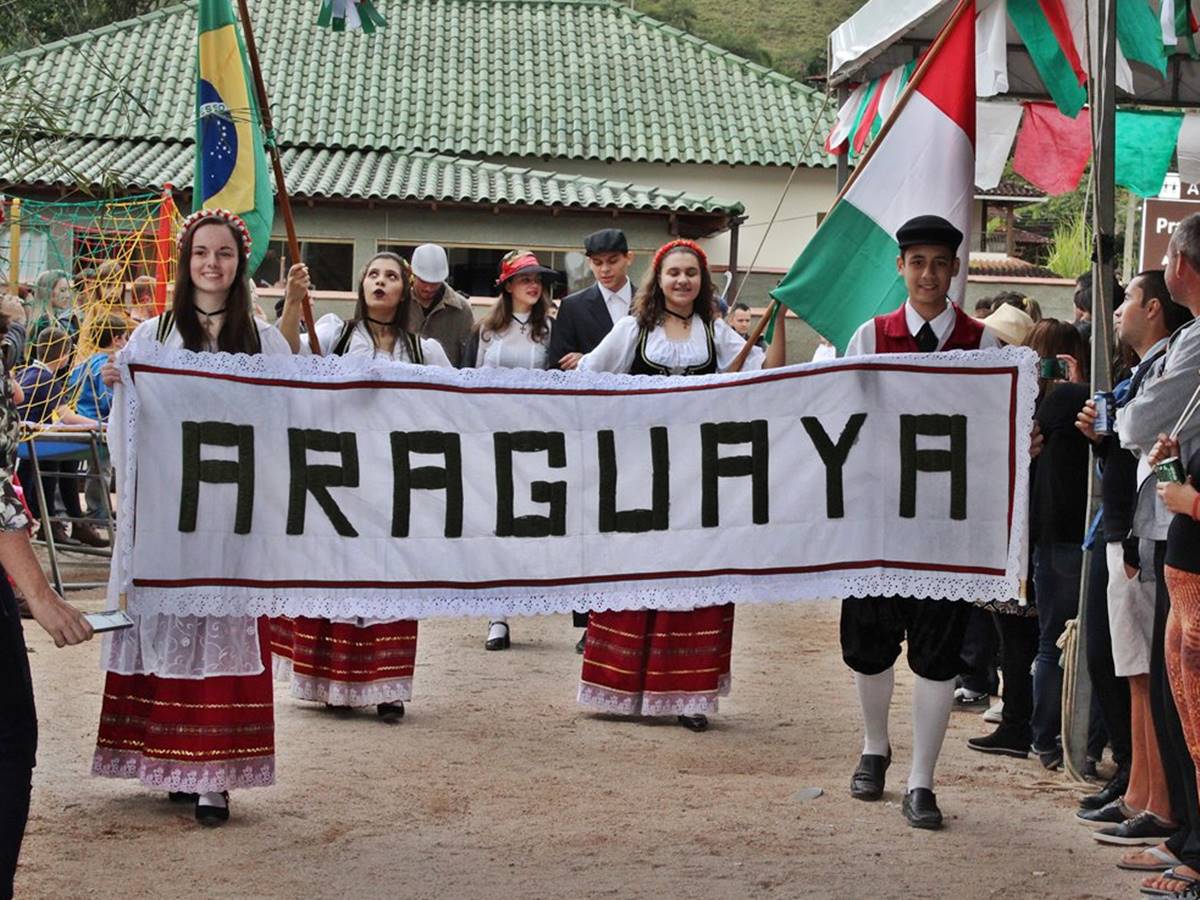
657 663
189 734
346 664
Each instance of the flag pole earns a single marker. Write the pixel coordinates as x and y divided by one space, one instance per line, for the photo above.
901 102
285 203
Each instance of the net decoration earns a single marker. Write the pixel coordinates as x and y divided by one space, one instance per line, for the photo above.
108 252
350 15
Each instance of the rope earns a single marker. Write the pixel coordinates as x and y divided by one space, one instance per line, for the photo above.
783 196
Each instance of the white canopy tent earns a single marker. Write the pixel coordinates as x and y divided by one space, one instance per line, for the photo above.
884 34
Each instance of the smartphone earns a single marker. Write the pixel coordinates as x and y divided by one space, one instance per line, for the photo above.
1052 369
109 620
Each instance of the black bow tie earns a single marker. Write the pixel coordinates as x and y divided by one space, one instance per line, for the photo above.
926 340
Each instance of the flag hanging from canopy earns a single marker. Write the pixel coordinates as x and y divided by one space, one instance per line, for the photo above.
231 161
924 163
350 15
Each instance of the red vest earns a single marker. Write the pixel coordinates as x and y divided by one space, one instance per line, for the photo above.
891 333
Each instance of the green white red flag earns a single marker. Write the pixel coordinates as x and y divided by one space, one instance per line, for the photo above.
923 164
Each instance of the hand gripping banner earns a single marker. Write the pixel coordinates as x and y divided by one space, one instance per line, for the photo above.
341 487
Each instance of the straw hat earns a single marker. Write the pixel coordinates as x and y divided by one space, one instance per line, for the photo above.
1009 324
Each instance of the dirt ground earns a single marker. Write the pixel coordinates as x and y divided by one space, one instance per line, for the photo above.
497 785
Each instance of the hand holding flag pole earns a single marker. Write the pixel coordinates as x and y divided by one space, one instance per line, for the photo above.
909 89
285 203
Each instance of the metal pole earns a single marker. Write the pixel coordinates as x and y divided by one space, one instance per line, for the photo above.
1077 716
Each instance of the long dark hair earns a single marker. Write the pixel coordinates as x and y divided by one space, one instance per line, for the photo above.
650 304
500 316
238 330
400 317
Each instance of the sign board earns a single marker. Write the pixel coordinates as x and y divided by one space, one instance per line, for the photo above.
1176 201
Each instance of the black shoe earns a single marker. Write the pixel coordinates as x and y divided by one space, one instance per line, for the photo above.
1050 759
1144 828
694 723
1114 790
582 643
182 797
501 641
1004 741
390 712
1113 814
868 779
921 809
212 816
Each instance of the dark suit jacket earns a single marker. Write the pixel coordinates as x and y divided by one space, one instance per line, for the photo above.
582 323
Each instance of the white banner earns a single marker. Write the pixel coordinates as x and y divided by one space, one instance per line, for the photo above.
344 487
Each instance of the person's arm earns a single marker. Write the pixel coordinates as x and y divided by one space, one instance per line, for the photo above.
298 285
863 341
777 349
60 619
1161 399
615 352
564 341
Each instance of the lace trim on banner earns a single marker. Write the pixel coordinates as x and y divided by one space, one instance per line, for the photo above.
198 778
676 594
341 693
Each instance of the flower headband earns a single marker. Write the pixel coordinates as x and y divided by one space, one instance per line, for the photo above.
233 220
680 244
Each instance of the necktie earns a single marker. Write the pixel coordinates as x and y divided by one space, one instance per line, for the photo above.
926 340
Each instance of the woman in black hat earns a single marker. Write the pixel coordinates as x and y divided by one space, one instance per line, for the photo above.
515 334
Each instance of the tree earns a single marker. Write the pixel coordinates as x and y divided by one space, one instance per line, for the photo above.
32 22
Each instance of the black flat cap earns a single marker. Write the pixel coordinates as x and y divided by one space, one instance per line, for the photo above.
606 240
928 230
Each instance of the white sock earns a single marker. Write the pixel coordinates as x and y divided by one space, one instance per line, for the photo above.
498 628
931 705
875 698
212 798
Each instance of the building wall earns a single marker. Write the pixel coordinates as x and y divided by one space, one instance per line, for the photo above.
758 188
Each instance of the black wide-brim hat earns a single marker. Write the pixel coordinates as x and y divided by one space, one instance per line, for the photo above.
525 264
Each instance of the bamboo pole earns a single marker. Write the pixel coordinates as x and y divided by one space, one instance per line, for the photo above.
285 203
901 102
14 246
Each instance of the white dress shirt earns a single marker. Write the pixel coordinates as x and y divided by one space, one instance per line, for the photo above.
618 302
863 342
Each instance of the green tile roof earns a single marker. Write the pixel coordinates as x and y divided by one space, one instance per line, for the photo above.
364 175
566 79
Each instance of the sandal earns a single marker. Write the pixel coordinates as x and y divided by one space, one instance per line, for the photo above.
1158 885
1162 860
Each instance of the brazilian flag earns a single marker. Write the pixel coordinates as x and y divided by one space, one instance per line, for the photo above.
231 160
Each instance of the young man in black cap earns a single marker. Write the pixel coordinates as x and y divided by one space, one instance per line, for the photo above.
586 316
872 628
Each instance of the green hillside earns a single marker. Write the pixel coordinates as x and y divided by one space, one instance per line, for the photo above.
789 35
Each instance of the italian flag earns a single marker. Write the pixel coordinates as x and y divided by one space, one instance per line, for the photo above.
1055 34
924 164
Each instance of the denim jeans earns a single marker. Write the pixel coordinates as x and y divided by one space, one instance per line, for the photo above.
1056 575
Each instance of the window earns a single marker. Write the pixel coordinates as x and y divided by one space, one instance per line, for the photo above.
330 264
473 270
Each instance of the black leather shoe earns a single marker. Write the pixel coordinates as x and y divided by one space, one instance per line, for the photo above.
582 643
921 809
182 797
1144 828
868 779
1114 790
390 712
694 723
1113 814
1002 742
212 816
500 641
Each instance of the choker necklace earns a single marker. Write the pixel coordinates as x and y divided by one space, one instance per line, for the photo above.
523 323
213 314
377 322
687 320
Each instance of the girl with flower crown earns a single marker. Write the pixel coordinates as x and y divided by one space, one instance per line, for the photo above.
661 662
188 702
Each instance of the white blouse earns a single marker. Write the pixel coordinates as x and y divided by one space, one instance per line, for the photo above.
511 349
273 343
617 351
329 329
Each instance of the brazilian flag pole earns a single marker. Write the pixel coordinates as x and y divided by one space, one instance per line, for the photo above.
234 134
